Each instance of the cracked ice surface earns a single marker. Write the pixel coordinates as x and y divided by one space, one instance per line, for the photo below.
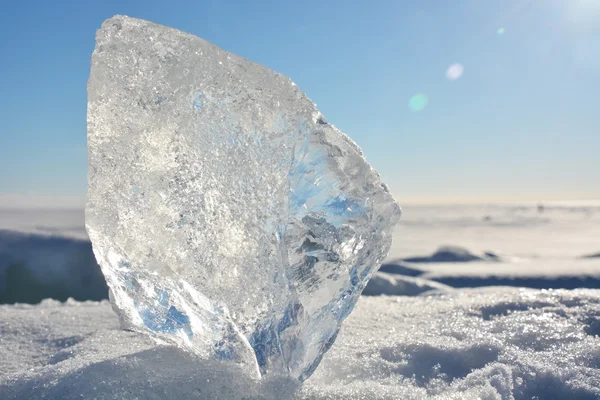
228 216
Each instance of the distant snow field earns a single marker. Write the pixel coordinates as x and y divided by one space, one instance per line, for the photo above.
69 223
47 253
518 233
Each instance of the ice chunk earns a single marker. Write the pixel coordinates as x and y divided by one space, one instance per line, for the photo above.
227 215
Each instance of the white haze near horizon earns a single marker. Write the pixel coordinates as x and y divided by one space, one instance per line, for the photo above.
523 235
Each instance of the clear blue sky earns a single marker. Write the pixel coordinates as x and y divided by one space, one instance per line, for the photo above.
522 122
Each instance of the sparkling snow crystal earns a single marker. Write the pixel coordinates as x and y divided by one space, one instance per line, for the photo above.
227 215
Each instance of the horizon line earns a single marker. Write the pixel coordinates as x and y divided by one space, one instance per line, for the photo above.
16 201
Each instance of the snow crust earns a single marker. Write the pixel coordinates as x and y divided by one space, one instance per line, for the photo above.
451 254
398 285
496 343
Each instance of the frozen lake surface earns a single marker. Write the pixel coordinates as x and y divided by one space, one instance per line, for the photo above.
503 244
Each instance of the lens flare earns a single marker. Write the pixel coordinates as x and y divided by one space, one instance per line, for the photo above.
418 102
500 31
454 71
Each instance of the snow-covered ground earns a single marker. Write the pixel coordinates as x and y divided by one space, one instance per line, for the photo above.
518 233
437 335
500 343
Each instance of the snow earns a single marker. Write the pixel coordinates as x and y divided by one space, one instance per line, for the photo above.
398 285
400 269
553 248
42 221
517 232
499 343
485 343
524 246
440 343
451 254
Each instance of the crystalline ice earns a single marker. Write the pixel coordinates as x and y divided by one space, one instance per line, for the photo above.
227 215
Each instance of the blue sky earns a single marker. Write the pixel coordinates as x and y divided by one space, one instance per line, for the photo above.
522 122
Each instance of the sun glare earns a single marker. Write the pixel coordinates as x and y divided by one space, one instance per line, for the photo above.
584 9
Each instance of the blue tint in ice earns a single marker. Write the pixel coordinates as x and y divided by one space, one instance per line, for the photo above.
165 318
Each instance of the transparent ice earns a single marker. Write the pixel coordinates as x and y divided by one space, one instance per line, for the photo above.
228 216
